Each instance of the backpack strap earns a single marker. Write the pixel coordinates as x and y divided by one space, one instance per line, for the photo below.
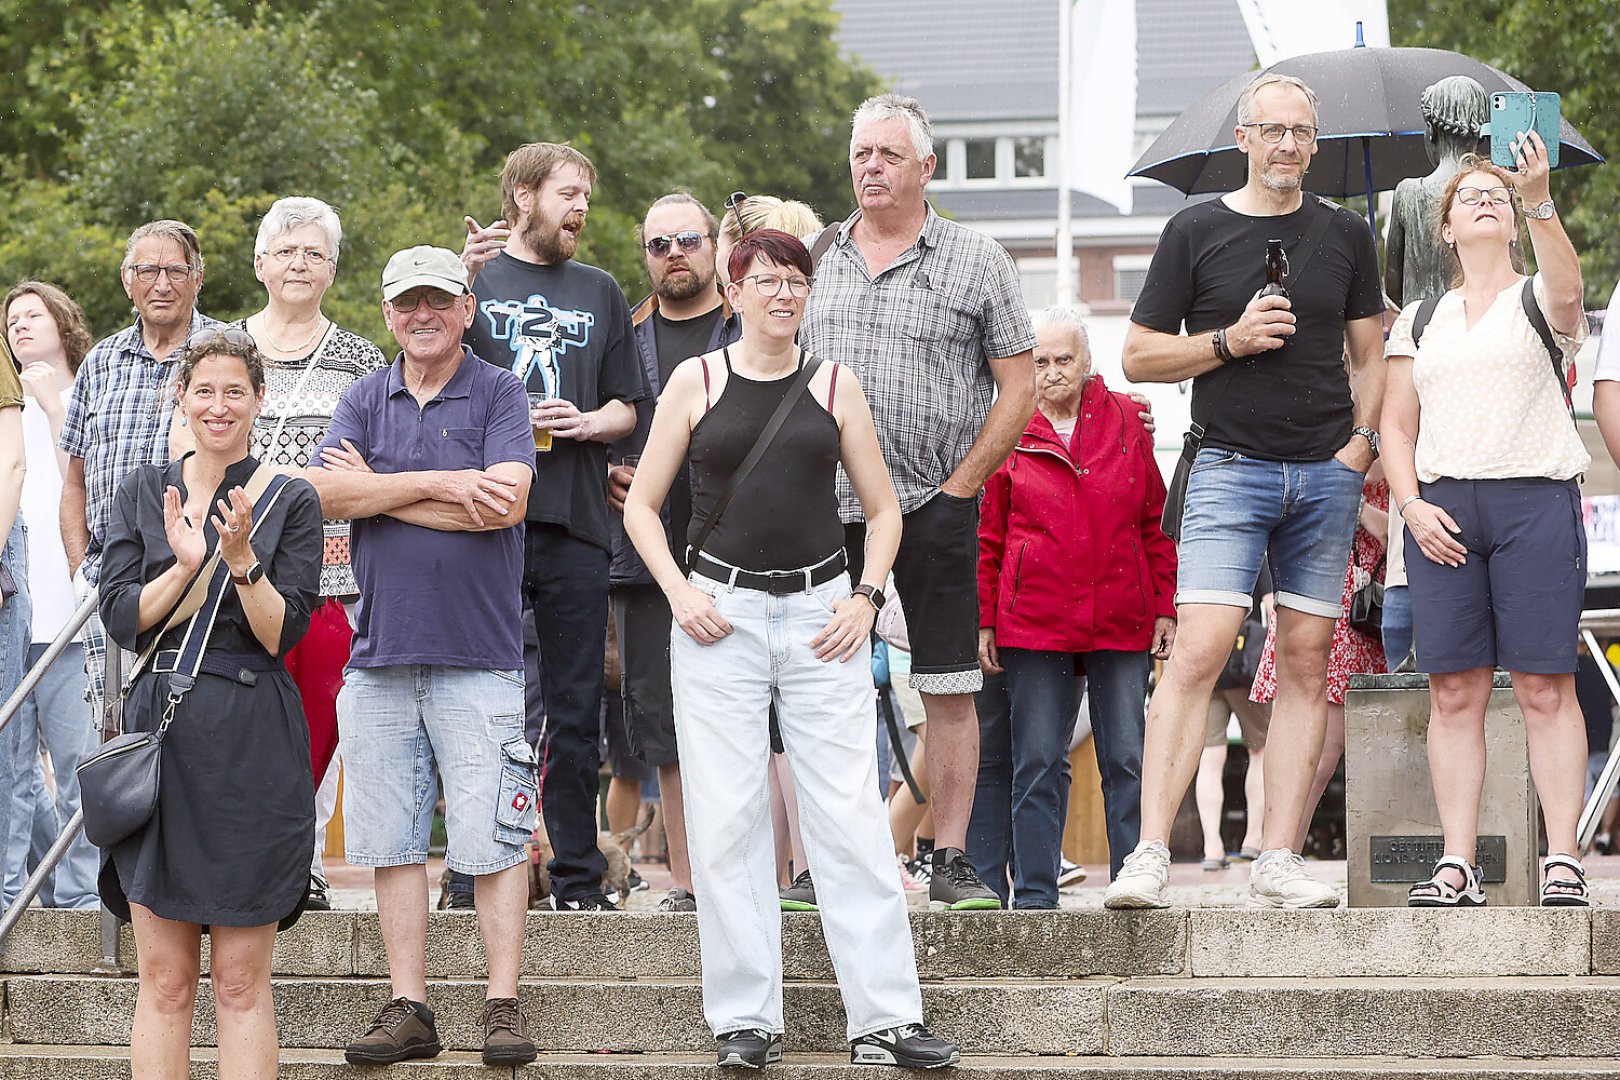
823 243
1425 312
1538 320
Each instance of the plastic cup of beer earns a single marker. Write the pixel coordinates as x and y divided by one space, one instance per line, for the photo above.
542 435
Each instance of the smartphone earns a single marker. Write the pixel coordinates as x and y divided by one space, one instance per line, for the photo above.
1527 111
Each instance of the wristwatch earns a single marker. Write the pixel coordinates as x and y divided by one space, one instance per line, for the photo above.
254 575
872 593
1370 435
1542 211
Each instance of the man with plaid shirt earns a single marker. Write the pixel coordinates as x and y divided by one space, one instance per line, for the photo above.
122 400
930 317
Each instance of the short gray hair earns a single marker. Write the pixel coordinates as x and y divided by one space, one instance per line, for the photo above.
1065 318
909 109
287 214
166 229
1245 109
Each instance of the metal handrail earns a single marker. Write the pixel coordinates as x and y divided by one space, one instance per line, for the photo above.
1592 812
47 866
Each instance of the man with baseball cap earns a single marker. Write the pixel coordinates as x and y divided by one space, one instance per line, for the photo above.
432 459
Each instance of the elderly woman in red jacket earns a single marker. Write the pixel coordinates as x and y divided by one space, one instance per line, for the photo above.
1075 578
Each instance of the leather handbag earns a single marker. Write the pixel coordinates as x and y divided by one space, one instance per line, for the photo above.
119 783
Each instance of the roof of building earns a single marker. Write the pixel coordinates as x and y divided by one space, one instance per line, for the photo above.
967 62
1014 204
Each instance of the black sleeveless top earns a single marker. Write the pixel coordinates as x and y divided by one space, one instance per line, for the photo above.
785 515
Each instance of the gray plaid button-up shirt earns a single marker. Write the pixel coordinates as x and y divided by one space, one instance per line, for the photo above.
920 337
118 420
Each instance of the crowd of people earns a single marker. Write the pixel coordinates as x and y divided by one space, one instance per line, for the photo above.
807 436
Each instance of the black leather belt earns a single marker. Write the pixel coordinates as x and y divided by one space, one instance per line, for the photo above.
775 582
238 667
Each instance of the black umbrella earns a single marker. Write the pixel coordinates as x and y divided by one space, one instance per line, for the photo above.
1372 130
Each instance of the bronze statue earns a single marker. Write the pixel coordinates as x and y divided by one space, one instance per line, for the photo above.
1415 268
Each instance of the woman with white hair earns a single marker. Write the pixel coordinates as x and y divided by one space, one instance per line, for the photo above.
1076 577
308 362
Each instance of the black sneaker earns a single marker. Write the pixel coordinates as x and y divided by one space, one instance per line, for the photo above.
801 895
635 882
318 898
909 1046
588 902
404 1029
956 887
750 1048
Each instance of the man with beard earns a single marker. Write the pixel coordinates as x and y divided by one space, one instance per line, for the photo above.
1286 439
685 316
563 328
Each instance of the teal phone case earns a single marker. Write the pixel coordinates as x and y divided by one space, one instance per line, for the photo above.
1516 111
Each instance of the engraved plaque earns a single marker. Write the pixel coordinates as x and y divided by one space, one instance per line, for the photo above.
1405 859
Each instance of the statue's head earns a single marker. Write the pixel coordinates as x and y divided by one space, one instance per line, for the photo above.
1455 107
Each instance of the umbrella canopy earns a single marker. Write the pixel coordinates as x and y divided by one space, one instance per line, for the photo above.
1368 108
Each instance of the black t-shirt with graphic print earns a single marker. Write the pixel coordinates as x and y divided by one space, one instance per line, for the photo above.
565 330
1291 404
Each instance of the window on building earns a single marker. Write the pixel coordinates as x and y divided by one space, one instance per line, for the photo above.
1029 157
942 160
1130 272
981 159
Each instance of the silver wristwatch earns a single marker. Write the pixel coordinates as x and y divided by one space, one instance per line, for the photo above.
1542 211
1370 435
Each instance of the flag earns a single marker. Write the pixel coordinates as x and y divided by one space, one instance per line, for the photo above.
1102 131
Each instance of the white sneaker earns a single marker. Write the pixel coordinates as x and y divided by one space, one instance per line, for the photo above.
1142 878
1278 880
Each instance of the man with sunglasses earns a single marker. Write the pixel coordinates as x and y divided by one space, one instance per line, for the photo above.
564 329
118 418
685 316
1287 437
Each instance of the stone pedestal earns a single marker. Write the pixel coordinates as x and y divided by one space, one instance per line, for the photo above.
1391 824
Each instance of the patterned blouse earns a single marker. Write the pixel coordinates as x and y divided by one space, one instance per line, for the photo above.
300 396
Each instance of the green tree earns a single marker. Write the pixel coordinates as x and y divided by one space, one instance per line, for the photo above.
1568 46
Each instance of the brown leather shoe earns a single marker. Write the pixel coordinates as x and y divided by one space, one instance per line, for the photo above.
506 1036
404 1029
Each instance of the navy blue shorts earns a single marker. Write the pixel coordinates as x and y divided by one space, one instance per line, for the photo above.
1515 602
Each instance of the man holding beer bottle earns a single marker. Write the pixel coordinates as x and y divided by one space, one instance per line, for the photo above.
1287 432
563 328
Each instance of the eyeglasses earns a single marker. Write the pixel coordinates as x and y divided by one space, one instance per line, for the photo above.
1303 134
312 256
688 242
771 284
148 272
734 203
1495 196
437 299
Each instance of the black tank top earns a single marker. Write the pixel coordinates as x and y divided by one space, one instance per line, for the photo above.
785 515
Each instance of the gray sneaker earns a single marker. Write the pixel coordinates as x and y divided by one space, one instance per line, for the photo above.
404 1029
1142 878
801 895
678 900
955 885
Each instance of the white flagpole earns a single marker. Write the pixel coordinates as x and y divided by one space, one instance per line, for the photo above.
1067 292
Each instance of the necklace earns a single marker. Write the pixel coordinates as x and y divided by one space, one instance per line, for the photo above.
264 327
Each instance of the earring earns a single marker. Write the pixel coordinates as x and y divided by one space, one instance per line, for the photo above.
183 420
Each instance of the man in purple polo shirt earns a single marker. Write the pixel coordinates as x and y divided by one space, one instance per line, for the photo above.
432 459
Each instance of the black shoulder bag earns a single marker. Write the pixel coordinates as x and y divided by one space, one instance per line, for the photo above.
766 436
1175 500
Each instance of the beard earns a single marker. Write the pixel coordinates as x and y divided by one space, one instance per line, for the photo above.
549 240
1282 184
670 287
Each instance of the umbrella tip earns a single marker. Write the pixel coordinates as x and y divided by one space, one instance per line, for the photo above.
1361 41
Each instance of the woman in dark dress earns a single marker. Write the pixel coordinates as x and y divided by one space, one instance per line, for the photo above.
228 848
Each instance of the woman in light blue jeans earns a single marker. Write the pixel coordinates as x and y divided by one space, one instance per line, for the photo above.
767 616
16 611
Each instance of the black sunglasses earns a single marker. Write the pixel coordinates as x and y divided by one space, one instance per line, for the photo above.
688 241
734 203
208 339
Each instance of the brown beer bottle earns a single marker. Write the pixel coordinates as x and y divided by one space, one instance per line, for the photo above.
1276 270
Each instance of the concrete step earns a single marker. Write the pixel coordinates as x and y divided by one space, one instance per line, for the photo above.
105 1063
1152 1016
1201 942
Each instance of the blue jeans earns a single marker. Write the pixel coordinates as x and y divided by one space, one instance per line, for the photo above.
1026 716
16 629
1118 695
1239 508
1397 624
57 715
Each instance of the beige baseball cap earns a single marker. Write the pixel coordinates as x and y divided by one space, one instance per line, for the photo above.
438 268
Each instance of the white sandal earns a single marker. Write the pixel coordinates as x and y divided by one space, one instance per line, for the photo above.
1437 892
1560 892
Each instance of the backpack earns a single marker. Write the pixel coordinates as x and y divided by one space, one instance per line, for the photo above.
1532 311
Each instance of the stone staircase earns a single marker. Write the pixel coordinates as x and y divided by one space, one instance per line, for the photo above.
1187 993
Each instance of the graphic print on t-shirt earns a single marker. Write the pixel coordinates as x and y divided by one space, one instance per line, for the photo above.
538 335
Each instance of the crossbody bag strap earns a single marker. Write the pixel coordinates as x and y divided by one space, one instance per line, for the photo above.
763 443
262 489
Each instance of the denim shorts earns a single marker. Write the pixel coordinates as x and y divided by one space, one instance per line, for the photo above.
1239 508
408 725
1515 602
